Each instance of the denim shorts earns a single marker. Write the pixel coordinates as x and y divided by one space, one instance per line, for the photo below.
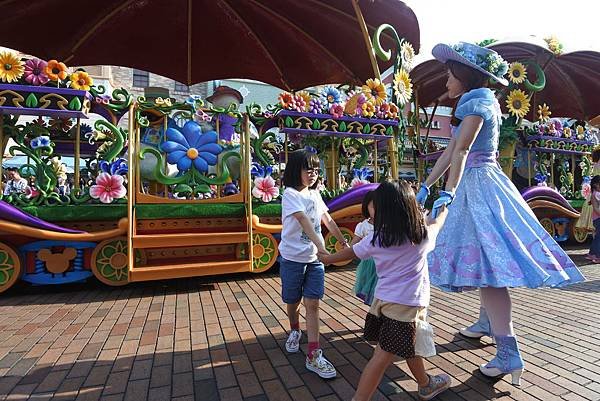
301 280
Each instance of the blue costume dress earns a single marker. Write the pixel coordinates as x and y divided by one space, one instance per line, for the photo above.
491 237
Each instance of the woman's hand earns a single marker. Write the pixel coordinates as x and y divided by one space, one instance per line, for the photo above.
422 194
445 199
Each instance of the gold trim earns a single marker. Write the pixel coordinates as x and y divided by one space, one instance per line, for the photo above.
16 100
147 198
61 102
39 233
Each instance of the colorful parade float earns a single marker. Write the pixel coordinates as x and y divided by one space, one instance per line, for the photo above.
164 189
548 158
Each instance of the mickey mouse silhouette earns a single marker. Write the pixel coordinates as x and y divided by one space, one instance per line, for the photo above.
57 263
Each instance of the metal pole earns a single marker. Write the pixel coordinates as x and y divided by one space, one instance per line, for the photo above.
375 167
77 151
365 32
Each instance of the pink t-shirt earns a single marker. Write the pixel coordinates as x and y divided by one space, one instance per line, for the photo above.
402 270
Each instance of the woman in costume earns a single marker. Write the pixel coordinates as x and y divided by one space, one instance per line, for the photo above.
491 239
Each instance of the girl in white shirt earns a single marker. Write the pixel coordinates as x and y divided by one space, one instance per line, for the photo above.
302 275
366 275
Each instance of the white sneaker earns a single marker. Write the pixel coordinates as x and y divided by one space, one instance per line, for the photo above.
293 342
320 365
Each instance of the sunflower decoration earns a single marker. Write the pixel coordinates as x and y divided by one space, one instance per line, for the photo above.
11 67
407 53
517 103
81 80
402 87
374 90
517 73
544 112
56 70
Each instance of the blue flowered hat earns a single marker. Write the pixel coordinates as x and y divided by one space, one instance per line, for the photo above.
480 58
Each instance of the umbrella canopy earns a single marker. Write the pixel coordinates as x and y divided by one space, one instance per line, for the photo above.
572 79
290 44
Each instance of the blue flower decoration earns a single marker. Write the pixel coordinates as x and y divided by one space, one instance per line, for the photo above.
331 95
363 173
191 145
539 177
118 167
260 171
40 141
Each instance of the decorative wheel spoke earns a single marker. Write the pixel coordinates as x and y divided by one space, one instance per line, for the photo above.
110 261
10 267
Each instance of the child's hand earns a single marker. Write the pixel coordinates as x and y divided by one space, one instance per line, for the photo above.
323 255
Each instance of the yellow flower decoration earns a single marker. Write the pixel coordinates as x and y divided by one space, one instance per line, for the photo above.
81 80
306 96
517 73
368 109
408 55
544 112
166 102
517 103
567 132
11 67
374 90
402 87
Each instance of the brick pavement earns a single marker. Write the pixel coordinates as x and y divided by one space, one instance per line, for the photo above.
223 340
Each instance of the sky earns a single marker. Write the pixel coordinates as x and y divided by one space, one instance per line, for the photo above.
576 23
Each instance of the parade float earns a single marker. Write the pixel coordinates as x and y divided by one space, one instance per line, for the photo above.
165 189
548 158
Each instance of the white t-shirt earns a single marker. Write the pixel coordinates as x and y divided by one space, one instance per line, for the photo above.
295 244
363 228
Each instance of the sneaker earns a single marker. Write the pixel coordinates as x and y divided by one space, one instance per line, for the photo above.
293 342
320 365
437 384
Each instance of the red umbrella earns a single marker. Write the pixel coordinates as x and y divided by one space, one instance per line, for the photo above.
572 79
287 43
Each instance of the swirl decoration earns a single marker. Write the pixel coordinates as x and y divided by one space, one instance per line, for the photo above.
540 82
114 147
386 55
192 182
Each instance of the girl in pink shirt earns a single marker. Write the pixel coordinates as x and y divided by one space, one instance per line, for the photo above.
397 319
594 254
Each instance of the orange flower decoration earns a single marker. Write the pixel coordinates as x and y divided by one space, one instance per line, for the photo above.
56 70
285 99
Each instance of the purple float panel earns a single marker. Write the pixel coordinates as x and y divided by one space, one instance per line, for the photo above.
11 213
543 192
351 197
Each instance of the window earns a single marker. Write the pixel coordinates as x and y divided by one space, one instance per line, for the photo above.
436 124
141 79
179 87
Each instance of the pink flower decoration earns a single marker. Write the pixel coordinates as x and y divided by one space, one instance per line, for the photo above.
265 188
357 182
383 110
34 72
298 103
337 110
362 99
586 191
108 187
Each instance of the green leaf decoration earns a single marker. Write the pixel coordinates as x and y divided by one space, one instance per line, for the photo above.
366 129
289 123
316 124
342 127
182 189
31 101
75 104
389 131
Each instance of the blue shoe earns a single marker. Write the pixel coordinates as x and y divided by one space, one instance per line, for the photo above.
480 328
507 361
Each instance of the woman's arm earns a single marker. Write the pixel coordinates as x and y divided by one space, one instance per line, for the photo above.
308 228
333 228
469 128
441 165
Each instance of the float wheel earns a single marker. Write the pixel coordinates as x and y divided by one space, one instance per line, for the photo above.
264 251
10 267
110 261
333 245
548 225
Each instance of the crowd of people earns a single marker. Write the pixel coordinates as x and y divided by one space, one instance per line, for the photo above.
14 184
